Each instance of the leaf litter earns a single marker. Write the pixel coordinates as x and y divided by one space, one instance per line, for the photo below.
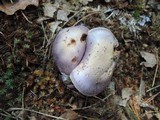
11 7
125 98
150 59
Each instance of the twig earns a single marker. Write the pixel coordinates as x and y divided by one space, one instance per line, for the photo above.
109 16
147 105
95 103
23 103
33 111
92 13
153 88
151 98
65 9
71 18
1 33
26 18
103 100
98 98
155 74
11 1
46 44
155 31
45 36
2 61
6 114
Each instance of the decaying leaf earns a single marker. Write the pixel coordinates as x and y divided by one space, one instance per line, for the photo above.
157 115
62 15
49 9
11 8
126 93
150 59
53 26
70 115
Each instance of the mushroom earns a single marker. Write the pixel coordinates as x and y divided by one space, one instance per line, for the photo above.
86 57
69 47
94 72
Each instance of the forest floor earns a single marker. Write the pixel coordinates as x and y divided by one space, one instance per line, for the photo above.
30 86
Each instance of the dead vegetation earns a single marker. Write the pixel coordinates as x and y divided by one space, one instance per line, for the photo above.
30 83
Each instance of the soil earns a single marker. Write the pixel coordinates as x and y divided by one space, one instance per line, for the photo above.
30 80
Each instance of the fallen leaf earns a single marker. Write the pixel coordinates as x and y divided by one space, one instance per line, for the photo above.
49 9
70 115
53 26
62 15
149 58
126 93
11 8
111 86
157 115
149 115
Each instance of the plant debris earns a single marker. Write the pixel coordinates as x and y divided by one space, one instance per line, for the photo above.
149 58
31 86
11 7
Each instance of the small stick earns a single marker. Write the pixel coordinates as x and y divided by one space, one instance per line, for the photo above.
151 98
71 18
23 103
6 114
26 18
33 111
102 100
11 1
155 31
153 88
1 33
92 13
155 74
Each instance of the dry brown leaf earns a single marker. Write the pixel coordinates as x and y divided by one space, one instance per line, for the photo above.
11 8
150 59
70 115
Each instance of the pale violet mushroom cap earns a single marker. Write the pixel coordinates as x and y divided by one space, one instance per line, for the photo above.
94 72
69 47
